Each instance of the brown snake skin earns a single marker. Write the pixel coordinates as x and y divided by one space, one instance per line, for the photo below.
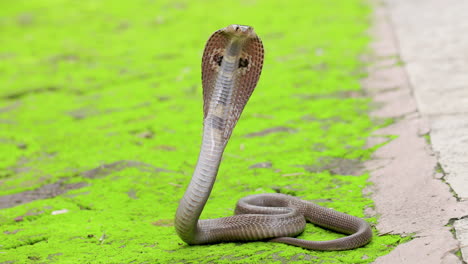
231 67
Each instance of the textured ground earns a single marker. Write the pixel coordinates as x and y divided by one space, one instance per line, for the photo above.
100 125
421 181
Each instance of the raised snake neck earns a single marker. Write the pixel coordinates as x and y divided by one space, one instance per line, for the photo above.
231 67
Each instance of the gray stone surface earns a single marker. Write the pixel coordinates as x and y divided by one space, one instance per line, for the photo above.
429 30
433 41
462 233
449 136
441 86
428 94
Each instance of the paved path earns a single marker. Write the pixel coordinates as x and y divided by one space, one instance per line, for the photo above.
434 45
421 79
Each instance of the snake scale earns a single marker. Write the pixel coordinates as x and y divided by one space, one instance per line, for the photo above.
231 66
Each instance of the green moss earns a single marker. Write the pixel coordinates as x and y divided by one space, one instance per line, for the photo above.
427 137
89 83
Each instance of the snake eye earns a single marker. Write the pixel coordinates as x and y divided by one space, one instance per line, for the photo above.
243 63
218 59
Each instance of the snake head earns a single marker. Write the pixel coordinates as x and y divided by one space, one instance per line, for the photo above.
240 31
231 66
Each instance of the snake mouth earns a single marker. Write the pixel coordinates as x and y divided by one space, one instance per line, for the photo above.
240 31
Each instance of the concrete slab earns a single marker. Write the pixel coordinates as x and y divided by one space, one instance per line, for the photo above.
430 29
410 195
433 43
437 83
461 227
449 137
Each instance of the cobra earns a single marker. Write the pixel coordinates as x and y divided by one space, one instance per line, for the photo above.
231 66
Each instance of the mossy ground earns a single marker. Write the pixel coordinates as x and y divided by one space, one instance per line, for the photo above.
104 98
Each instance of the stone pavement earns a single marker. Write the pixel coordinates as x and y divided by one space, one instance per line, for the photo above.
420 76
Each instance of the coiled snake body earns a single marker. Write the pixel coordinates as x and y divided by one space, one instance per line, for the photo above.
231 66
